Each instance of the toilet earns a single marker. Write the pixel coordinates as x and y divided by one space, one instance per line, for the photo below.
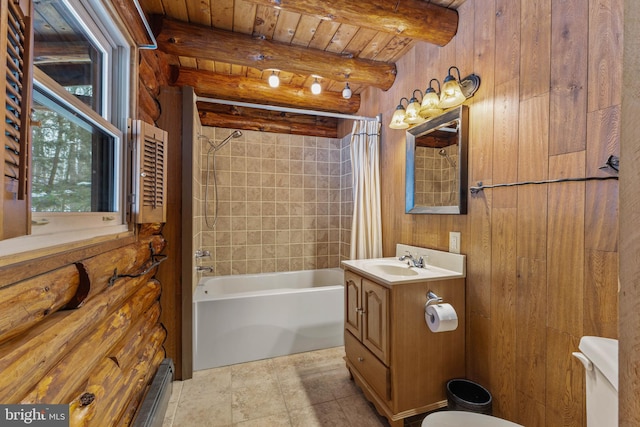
464 419
600 359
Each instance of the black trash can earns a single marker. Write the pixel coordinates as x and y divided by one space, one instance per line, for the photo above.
465 395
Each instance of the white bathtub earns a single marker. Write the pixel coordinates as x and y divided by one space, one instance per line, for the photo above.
256 316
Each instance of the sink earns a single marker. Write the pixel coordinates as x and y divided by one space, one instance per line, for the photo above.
392 270
440 266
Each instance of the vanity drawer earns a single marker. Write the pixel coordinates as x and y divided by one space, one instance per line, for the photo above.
369 366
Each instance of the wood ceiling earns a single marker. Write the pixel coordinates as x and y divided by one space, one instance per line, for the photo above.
227 49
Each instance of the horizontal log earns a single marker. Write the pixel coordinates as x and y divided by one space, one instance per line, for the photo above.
128 260
150 229
147 76
133 405
28 302
26 265
147 103
302 119
136 336
61 382
245 89
25 359
83 408
111 387
133 21
416 19
142 115
196 41
158 65
284 125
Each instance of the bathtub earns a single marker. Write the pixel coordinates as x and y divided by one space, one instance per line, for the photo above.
248 317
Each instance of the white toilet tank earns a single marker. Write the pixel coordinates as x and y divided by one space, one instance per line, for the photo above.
600 359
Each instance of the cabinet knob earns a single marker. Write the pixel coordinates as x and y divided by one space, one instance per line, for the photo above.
360 359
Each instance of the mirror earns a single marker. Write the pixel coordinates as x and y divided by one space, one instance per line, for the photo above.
436 176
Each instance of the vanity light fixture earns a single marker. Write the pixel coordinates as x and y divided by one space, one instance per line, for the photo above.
346 92
315 87
397 120
430 101
412 115
274 80
454 93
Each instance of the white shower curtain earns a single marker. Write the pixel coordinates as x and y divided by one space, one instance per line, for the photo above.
366 227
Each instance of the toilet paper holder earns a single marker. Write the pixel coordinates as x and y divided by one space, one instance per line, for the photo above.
432 299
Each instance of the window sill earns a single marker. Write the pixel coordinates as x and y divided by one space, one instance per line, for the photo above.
28 248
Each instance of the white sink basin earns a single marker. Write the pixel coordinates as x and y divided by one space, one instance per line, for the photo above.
392 269
440 266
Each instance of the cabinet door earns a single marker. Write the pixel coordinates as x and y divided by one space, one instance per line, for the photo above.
352 305
375 327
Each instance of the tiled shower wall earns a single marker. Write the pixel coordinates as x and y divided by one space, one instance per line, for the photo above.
435 177
283 202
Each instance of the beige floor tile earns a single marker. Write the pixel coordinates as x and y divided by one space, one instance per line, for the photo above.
200 413
328 414
340 382
361 413
256 401
279 420
249 374
308 390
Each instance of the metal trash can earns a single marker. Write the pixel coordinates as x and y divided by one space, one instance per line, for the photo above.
465 395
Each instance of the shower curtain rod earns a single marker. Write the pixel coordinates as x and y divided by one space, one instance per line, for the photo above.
287 109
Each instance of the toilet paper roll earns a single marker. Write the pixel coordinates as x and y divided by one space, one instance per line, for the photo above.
441 317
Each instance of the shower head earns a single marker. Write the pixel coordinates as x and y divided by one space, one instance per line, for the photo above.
444 154
234 134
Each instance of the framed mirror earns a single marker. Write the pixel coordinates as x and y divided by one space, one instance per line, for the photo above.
436 175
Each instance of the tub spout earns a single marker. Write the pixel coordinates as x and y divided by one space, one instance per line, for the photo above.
204 269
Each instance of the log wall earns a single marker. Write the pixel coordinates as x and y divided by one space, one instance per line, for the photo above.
83 326
87 333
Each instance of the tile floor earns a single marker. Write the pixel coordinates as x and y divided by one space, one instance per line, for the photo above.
307 390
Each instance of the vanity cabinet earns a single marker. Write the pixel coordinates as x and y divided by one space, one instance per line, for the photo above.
367 314
400 365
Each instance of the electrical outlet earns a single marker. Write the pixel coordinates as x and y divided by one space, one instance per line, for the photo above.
454 242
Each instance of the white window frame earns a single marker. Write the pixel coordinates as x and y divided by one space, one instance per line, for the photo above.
69 227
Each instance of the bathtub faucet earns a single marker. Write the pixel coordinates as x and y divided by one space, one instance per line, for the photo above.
202 254
204 269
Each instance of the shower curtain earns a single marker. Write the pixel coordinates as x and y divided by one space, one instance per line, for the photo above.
366 227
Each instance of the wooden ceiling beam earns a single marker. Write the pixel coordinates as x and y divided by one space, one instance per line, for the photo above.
196 41
223 86
414 19
227 116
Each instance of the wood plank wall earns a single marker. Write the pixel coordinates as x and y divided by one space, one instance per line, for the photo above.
541 259
629 359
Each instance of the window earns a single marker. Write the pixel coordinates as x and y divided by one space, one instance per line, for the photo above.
80 105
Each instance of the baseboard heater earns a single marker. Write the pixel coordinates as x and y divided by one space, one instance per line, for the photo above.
154 405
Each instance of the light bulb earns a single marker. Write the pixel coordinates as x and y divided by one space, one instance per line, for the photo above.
316 88
274 80
346 92
429 107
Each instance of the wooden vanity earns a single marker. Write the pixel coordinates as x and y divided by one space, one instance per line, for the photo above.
400 365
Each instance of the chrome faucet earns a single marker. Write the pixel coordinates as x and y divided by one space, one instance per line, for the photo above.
420 263
204 269
202 254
